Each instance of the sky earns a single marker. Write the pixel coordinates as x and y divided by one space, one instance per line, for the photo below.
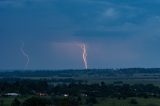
117 33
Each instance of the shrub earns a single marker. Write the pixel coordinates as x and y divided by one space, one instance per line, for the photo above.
133 101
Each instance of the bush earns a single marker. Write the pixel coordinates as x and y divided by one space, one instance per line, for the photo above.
91 100
152 105
16 102
37 101
133 101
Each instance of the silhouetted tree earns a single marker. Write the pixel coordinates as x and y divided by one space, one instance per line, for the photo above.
16 102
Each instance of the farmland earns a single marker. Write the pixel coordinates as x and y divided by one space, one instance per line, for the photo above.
107 87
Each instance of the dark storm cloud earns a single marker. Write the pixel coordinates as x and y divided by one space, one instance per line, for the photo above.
121 33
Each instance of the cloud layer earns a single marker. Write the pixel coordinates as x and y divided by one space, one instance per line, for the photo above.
117 33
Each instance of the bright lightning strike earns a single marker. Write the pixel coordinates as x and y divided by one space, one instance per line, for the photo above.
25 55
84 54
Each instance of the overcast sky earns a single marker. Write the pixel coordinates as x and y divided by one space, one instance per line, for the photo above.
117 33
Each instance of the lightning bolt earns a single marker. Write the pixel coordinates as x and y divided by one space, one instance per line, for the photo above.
84 55
25 55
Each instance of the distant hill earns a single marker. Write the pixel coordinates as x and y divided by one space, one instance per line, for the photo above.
76 73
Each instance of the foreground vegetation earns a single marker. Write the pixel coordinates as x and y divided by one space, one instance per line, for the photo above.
42 93
120 87
70 101
129 102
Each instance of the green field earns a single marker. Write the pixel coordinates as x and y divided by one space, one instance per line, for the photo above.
126 102
8 100
105 101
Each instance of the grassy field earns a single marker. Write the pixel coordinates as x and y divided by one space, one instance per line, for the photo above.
126 102
8 100
105 101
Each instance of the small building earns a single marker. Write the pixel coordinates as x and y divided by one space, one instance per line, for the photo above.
84 95
65 95
12 94
41 94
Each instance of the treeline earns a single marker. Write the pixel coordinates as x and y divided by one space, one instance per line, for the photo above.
119 90
54 101
111 90
70 73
